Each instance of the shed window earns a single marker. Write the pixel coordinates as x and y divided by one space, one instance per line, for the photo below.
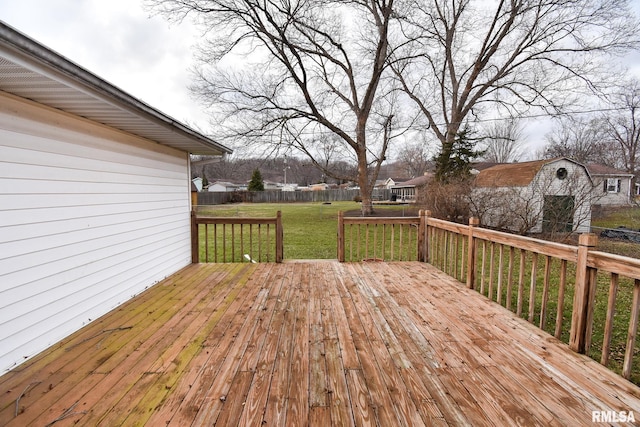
612 185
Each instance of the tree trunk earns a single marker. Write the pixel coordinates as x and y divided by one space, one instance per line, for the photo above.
363 182
443 160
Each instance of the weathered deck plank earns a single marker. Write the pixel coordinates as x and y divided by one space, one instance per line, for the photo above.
311 343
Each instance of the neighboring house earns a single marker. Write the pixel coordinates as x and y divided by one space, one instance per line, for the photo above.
380 184
407 191
94 196
543 195
272 186
319 187
615 185
197 182
224 186
391 182
480 166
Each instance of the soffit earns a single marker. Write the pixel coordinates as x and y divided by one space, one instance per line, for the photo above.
32 71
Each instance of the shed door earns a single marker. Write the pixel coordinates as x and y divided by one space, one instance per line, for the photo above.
557 214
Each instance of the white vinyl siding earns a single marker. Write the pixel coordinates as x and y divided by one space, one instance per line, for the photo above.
89 217
616 191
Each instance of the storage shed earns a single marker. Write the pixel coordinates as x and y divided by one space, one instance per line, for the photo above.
94 196
548 195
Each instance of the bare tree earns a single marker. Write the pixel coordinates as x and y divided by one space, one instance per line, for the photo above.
333 157
229 167
622 127
415 159
448 200
306 67
460 56
582 139
504 141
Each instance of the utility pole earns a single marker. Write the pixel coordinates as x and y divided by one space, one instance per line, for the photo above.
285 170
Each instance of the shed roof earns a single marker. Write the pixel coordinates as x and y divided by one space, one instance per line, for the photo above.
597 169
30 70
510 174
515 174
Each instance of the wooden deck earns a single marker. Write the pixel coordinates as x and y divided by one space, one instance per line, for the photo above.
311 343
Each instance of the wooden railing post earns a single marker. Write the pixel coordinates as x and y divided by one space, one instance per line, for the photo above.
632 332
195 244
427 247
341 236
580 315
279 238
471 254
422 237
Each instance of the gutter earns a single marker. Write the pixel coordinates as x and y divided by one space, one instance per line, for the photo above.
110 93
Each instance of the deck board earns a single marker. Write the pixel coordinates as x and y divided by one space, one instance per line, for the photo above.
311 343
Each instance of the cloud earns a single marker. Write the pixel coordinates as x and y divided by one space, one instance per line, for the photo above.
118 41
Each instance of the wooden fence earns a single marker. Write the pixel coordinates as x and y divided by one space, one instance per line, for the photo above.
383 239
587 298
218 198
224 239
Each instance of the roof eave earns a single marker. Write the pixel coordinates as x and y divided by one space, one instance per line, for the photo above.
31 53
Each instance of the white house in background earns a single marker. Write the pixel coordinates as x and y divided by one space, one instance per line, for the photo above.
94 196
543 195
615 185
391 182
407 191
197 182
224 186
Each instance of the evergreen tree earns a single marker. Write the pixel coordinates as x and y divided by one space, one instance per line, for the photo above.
454 161
256 183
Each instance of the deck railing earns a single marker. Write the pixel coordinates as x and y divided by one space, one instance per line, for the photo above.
584 297
230 239
383 239
587 298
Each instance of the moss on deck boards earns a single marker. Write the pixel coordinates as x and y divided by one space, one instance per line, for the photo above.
310 343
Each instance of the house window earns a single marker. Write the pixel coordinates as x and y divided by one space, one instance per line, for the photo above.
612 185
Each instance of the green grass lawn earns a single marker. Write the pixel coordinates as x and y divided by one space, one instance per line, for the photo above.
628 217
614 218
310 229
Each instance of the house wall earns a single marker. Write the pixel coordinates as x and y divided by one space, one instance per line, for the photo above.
217 187
606 198
577 184
89 217
521 209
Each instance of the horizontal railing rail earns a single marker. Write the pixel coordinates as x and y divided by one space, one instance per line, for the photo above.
584 297
380 239
231 239
587 298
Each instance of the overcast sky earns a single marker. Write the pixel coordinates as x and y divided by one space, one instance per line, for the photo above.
118 41
145 56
